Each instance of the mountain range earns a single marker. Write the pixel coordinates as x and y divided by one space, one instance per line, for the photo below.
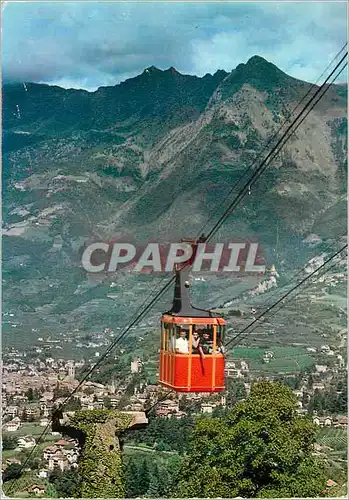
153 159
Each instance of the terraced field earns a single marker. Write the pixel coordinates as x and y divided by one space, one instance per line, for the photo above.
286 359
334 438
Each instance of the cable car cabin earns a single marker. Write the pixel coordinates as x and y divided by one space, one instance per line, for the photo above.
192 353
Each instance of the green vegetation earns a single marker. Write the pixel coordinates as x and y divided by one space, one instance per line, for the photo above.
336 439
13 471
33 395
164 434
29 429
153 476
286 359
9 442
333 402
261 449
335 449
64 483
17 486
100 465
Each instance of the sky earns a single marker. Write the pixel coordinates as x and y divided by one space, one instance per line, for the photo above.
92 44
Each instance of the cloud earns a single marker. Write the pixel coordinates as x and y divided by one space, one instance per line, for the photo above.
87 45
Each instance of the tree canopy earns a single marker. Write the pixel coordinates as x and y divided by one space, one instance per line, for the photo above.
64 483
333 401
262 448
9 442
164 434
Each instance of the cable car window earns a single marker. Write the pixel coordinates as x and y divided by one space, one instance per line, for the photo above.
164 336
220 339
172 338
207 339
182 341
196 340
162 344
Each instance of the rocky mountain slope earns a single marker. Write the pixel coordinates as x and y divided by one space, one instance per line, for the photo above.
153 159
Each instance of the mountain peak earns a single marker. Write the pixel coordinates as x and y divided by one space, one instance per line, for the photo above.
255 63
258 73
257 60
152 69
172 70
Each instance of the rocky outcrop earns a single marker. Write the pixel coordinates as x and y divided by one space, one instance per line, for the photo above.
100 462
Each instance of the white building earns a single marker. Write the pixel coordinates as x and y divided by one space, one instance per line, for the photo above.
207 408
318 386
244 366
13 426
340 361
43 473
12 411
136 365
26 442
71 370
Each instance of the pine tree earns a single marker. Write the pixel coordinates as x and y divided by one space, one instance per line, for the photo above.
30 394
132 479
51 492
143 478
154 483
24 415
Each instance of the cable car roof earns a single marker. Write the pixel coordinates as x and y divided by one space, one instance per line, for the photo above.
181 301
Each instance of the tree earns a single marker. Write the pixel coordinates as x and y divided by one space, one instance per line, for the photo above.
164 434
261 448
235 392
89 391
161 446
170 476
74 404
107 403
64 482
55 475
9 442
24 415
154 482
219 411
60 392
183 403
32 395
143 478
51 492
31 460
329 402
189 406
131 476
13 471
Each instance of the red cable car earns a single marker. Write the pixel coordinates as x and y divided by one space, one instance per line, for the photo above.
191 353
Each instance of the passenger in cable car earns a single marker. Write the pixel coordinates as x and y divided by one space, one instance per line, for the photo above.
207 343
182 343
220 348
196 344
